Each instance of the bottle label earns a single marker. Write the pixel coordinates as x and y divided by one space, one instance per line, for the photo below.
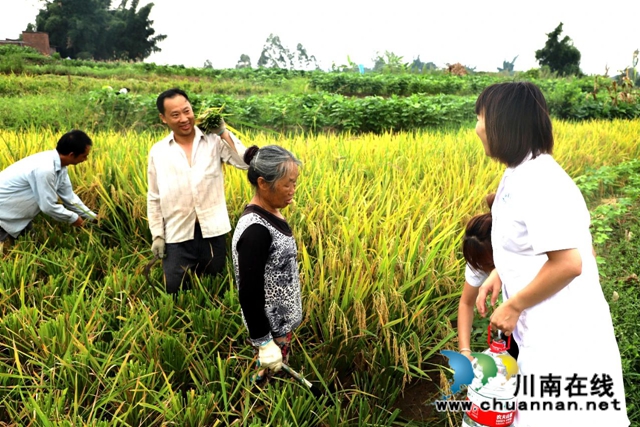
500 412
465 424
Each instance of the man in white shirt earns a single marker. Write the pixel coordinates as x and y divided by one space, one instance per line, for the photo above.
186 205
36 183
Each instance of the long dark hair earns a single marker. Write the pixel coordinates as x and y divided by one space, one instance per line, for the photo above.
476 244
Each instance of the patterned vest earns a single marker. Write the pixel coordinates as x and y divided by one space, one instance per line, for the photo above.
283 303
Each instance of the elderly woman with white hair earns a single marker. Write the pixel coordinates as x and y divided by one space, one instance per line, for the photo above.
264 258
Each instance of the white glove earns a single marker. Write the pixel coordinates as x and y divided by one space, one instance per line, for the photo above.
270 356
158 247
220 129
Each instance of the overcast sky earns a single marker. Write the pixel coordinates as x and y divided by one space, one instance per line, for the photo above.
476 33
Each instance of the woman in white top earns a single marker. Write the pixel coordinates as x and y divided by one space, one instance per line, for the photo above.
542 249
480 268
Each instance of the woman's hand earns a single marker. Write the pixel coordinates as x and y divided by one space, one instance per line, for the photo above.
505 317
270 356
492 286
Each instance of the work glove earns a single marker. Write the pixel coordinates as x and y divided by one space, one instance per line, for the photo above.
220 129
270 356
158 247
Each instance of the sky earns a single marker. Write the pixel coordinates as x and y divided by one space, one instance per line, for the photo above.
476 33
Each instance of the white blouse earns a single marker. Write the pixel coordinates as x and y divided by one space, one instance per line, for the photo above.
474 277
538 209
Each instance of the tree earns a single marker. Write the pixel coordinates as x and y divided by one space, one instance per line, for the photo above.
417 65
561 56
389 63
378 63
303 61
244 61
74 26
276 55
90 29
133 37
430 66
507 67
420 67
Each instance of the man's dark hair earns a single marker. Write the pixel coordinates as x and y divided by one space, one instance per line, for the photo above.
516 120
74 141
170 93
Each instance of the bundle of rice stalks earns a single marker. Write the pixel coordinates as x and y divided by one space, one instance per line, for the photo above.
210 119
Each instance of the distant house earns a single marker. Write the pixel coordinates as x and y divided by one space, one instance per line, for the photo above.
36 40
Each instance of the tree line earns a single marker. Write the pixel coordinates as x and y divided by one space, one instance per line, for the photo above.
559 55
90 29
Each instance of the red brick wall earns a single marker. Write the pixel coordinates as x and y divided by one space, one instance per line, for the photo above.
39 41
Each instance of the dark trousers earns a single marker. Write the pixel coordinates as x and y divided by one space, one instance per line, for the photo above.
4 236
200 256
7 240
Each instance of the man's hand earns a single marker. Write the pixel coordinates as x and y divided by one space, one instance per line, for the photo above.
158 247
78 222
492 286
220 129
270 356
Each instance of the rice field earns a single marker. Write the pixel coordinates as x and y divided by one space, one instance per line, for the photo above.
86 339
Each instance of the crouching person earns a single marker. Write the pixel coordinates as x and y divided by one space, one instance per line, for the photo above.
264 255
36 183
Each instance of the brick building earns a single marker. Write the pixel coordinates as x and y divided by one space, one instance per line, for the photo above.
37 40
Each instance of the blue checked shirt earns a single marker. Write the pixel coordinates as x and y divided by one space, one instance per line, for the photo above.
33 185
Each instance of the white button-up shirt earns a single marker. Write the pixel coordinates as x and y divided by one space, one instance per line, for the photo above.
178 193
33 185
